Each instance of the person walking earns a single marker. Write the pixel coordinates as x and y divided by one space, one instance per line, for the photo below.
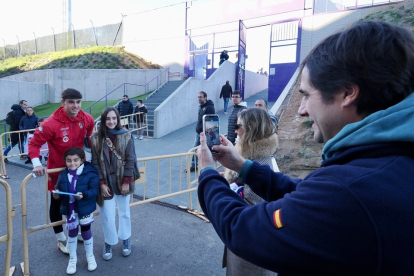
226 92
113 154
18 111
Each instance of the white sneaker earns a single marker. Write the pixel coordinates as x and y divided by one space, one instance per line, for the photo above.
71 266
62 247
225 112
141 137
91 263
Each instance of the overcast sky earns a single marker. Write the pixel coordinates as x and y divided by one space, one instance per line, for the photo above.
23 17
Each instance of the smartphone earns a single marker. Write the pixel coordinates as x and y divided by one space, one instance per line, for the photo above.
211 128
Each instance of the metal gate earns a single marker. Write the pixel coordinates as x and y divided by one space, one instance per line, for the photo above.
241 63
284 55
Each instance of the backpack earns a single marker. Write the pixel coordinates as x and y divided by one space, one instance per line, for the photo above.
10 118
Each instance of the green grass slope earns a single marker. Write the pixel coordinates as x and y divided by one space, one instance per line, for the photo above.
83 58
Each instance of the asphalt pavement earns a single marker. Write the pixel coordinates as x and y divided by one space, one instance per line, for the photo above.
166 240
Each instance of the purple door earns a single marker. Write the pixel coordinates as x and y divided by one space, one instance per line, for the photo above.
241 63
284 55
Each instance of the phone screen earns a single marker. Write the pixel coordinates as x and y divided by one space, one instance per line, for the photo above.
211 128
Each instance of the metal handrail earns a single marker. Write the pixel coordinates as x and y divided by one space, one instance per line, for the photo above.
124 85
9 236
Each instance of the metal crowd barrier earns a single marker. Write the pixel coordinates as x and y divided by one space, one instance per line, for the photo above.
175 185
8 237
131 126
12 152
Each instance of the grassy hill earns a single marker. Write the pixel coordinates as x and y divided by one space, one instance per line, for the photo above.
401 14
84 58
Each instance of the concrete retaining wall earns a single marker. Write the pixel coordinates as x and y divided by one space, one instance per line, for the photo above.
254 83
317 27
181 107
11 92
92 83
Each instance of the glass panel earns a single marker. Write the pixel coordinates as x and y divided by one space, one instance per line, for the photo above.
283 54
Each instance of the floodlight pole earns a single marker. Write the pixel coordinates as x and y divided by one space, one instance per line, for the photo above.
4 49
35 41
96 40
74 39
18 46
54 40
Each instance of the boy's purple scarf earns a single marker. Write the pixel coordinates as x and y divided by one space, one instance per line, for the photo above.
71 220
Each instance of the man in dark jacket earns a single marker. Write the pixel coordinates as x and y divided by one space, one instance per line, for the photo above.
226 92
125 107
206 107
354 215
16 139
239 105
139 119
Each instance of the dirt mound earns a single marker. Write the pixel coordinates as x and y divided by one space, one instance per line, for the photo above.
298 154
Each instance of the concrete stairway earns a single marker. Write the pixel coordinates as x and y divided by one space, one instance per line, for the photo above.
156 99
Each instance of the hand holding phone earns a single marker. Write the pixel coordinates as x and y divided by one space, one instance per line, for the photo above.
211 128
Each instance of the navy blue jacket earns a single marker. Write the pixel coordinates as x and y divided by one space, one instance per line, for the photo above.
28 122
354 216
87 184
125 108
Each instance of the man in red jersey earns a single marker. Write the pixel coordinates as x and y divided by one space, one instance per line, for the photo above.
66 128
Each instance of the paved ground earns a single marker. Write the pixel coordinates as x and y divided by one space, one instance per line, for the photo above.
165 239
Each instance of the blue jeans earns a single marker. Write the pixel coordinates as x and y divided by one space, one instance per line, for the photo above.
10 146
226 103
194 163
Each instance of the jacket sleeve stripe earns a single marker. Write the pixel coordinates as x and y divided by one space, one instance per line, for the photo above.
277 219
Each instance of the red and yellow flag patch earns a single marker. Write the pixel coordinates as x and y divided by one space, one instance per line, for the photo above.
277 219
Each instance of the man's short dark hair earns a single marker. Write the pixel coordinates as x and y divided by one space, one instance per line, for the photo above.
71 93
22 101
263 101
125 96
376 56
237 92
139 101
204 94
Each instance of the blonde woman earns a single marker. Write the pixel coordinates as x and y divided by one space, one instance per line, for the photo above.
113 154
257 141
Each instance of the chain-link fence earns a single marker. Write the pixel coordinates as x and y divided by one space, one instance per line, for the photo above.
109 35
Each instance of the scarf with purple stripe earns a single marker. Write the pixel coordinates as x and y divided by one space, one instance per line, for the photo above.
71 220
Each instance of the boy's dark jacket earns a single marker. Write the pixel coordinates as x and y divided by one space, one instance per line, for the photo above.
87 184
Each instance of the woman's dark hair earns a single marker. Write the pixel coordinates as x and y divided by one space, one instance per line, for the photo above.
376 56
102 127
27 109
75 151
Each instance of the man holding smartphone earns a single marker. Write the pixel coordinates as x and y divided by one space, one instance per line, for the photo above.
354 215
206 107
